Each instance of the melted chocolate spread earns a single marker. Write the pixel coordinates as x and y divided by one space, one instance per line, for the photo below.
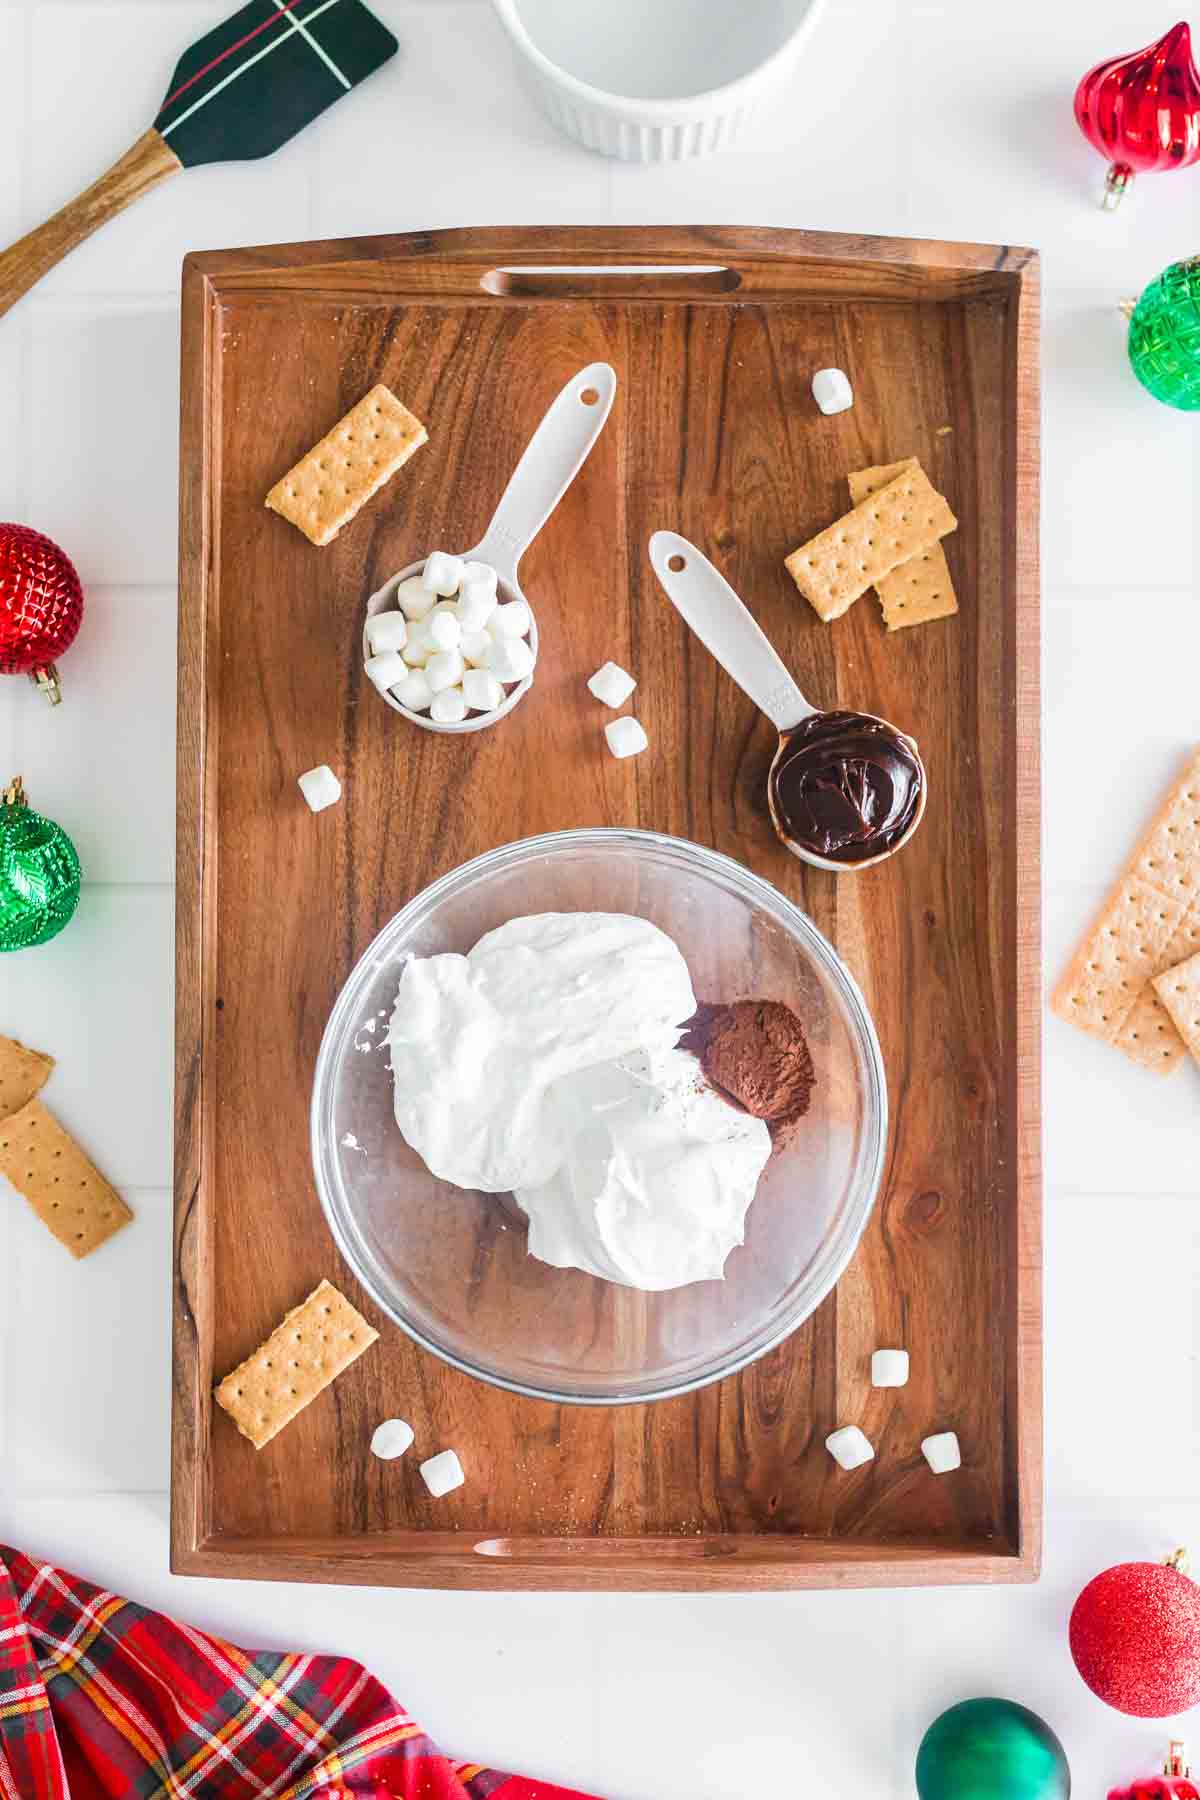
846 785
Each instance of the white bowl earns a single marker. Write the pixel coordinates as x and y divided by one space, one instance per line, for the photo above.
656 80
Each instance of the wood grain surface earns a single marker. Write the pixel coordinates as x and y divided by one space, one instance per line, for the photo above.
146 163
713 434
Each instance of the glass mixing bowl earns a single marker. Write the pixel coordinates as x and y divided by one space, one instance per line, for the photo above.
450 1265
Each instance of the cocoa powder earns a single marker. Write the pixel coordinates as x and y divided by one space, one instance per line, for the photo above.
755 1052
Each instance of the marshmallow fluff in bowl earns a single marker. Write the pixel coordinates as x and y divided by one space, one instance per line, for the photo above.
545 1063
576 1289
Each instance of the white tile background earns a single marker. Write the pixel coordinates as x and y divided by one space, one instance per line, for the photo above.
932 119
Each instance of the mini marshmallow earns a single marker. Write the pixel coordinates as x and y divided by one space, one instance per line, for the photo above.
442 574
850 1448
414 598
832 391
444 670
387 631
626 737
383 671
448 707
443 629
392 1439
611 684
509 659
512 620
418 649
481 690
475 646
442 1473
941 1452
476 600
889 1368
414 691
478 575
320 787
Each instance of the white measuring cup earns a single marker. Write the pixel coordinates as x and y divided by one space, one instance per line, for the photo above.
552 458
705 600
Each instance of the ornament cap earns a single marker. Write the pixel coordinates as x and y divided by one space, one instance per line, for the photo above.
1180 1560
47 681
14 793
1118 179
1177 1763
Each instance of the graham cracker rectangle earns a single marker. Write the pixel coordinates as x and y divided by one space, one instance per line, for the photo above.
880 475
1149 924
1169 856
316 1341
23 1074
1186 939
854 553
1147 1035
1179 991
339 475
64 1188
1117 959
920 589
1150 1033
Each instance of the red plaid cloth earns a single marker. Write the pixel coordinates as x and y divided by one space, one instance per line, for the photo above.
102 1700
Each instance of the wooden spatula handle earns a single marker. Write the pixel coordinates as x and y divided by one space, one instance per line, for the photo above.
142 167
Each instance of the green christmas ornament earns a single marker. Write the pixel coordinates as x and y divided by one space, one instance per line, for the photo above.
1164 336
991 1750
39 873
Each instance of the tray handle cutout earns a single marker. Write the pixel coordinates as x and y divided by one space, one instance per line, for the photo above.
588 281
565 1551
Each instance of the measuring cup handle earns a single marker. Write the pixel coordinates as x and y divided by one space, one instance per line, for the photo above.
553 457
701 594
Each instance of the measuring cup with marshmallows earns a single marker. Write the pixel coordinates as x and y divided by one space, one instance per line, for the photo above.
553 457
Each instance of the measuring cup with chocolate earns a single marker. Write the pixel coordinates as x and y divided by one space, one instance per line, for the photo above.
846 789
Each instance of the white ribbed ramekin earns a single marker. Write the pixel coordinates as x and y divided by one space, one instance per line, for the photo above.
637 130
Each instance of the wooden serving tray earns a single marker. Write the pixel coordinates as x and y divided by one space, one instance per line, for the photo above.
714 433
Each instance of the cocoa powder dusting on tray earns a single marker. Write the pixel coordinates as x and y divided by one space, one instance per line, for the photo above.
755 1052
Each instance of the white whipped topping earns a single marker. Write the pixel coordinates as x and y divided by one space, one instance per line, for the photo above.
660 1174
477 1040
545 1063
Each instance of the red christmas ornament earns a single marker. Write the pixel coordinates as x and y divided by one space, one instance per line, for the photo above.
1135 1637
41 604
1142 111
1175 1782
